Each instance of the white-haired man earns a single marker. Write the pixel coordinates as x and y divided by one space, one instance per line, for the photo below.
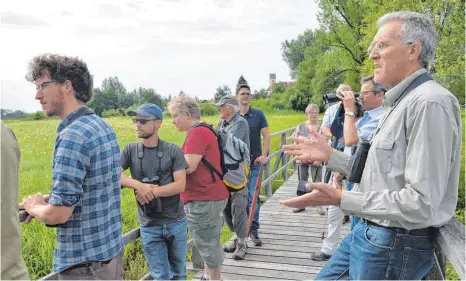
409 186
235 213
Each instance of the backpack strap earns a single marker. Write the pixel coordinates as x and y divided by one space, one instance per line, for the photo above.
81 112
203 160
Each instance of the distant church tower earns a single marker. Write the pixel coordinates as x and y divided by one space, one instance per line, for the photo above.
272 79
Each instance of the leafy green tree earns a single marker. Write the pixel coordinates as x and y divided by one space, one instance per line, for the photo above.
221 91
262 93
241 81
293 51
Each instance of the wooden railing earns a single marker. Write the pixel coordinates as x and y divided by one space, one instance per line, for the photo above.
450 246
196 258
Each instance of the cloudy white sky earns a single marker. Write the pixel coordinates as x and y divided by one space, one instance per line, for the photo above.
168 45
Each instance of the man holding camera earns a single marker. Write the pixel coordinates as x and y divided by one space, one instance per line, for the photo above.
158 176
409 185
235 213
354 130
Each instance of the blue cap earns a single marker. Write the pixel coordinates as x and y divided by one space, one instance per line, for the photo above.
147 109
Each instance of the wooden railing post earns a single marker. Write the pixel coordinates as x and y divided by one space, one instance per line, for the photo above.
268 186
284 158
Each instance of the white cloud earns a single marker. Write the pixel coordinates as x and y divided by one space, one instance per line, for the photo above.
168 45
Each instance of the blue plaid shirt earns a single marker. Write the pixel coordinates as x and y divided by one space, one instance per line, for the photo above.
86 177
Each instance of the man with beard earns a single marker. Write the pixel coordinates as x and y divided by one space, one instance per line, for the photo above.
84 202
158 176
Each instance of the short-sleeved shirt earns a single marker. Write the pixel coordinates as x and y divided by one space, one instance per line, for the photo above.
200 185
172 161
86 176
257 121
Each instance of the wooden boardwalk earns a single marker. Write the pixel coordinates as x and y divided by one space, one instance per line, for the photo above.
288 241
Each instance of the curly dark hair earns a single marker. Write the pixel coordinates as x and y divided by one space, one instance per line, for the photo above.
62 68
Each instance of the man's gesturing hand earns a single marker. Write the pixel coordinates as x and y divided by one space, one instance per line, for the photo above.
314 148
322 194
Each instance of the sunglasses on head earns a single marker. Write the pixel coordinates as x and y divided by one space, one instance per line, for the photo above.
142 121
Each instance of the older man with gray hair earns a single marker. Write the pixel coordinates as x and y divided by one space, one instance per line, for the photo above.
409 185
235 213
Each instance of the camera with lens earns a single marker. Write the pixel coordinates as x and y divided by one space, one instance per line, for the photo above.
155 205
333 97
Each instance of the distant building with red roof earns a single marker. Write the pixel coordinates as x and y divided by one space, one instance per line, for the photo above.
273 82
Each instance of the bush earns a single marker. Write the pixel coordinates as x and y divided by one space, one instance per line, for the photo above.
39 115
112 113
208 109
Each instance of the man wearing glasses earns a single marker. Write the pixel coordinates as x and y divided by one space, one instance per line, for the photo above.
84 203
355 131
257 126
409 185
158 176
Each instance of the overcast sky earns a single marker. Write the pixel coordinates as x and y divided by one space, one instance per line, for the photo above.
168 45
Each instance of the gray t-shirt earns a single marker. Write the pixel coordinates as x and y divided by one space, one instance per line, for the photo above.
172 160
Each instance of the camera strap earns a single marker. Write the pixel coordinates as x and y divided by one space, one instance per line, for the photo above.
140 153
421 79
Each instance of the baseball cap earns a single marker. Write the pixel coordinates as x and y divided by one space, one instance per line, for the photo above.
147 109
229 99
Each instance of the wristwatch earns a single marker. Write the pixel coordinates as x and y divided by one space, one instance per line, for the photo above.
349 113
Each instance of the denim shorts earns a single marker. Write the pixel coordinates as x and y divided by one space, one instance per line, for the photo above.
205 226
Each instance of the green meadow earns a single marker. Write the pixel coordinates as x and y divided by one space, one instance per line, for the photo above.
36 140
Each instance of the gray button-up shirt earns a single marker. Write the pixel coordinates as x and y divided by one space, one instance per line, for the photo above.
237 126
411 175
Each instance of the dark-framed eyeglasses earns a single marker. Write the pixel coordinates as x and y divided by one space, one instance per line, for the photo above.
42 85
364 93
142 121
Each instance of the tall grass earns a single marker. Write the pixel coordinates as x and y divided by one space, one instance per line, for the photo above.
36 140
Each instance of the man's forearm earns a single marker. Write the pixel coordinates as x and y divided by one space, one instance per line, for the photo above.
350 131
169 189
129 182
266 147
46 214
326 132
338 162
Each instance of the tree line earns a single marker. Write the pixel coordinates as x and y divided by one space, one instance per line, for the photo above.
336 52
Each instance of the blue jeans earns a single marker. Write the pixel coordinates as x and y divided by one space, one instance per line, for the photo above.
354 221
251 186
372 252
165 249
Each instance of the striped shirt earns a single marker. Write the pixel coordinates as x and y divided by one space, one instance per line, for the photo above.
86 177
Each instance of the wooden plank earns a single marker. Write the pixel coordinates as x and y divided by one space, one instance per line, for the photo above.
228 276
310 242
287 223
309 226
271 245
273 238
275 274
266 265
292 233
273 253
282 260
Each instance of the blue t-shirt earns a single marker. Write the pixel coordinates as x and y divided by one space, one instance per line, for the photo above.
256 120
